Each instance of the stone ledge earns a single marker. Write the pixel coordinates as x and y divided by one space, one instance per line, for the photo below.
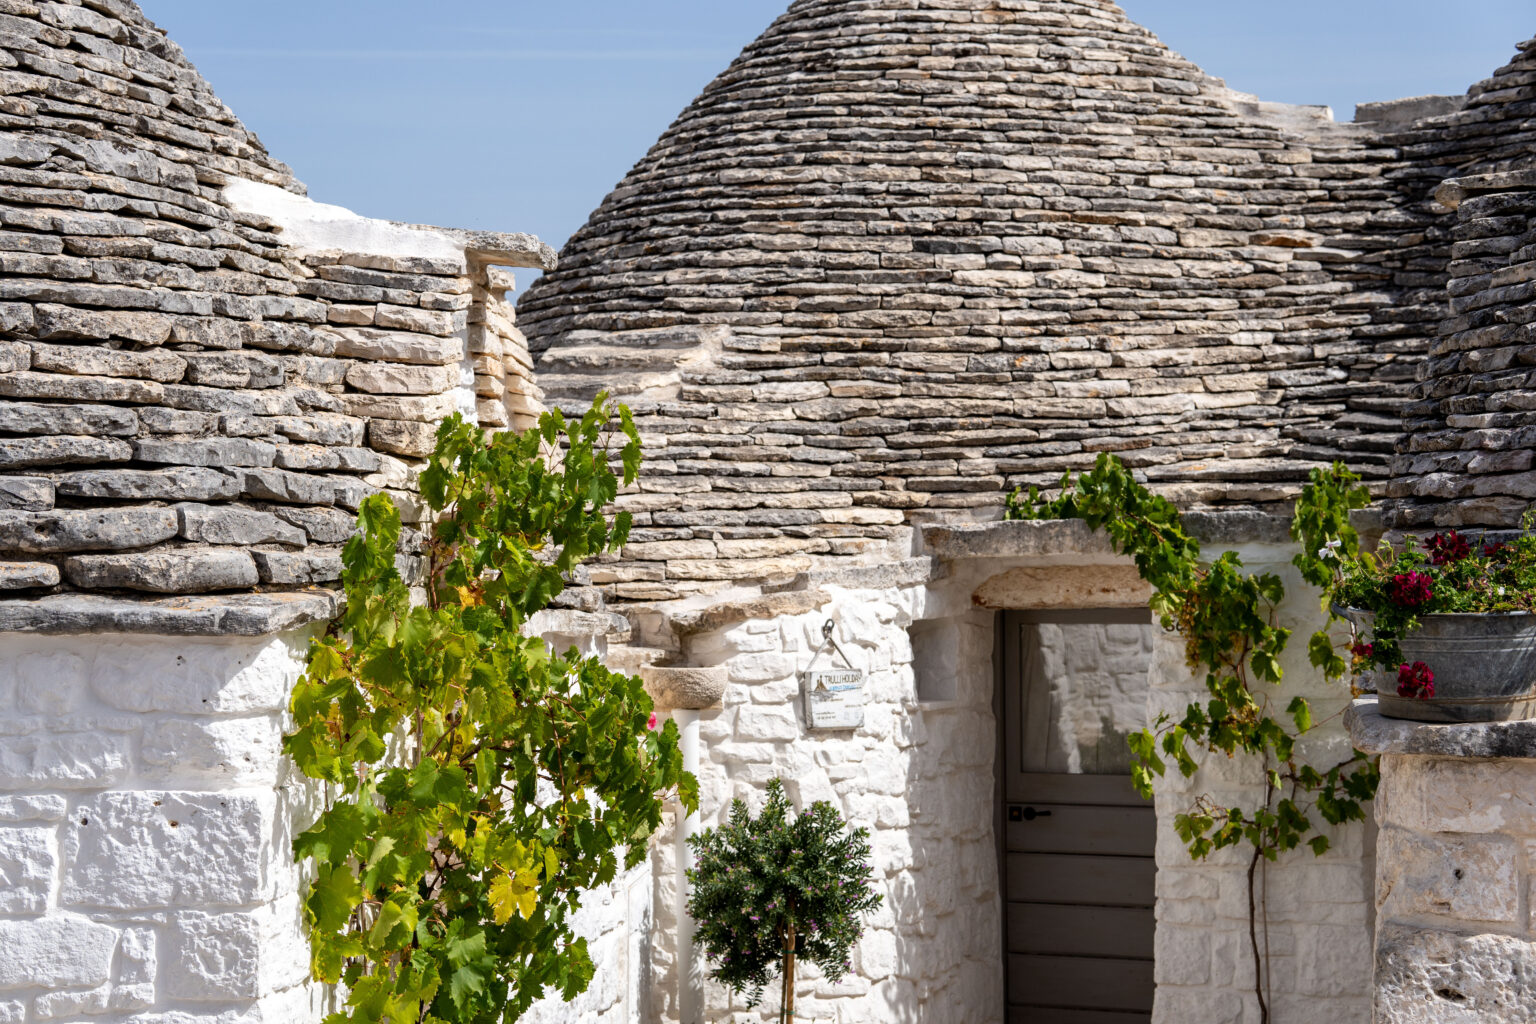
729 613
1374 733
1030 538
217 615
886 576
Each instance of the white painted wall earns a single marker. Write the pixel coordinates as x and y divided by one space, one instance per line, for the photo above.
1319 910
920 777
145 822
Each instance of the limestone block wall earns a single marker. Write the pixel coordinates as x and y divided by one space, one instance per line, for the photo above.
1456 870
145 822
1317 911
919 776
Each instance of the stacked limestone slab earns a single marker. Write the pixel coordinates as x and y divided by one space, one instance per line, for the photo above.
1465 456
903 256
193 399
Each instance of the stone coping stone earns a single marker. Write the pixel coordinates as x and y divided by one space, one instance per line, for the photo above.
1452 191
499 248
205 615
1408 109
1374 733
1044 537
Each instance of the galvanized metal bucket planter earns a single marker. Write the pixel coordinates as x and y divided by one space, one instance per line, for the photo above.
1484 665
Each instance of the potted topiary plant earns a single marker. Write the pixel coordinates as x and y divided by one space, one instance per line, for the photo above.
774 889
1451 624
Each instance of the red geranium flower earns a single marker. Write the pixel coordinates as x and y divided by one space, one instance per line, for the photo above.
1363 650
1416 681
1448 547
1411 589
1489 550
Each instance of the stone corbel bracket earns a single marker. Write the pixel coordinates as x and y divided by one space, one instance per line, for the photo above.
677 688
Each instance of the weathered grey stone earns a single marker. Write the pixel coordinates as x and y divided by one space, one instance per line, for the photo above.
397 379
312 565
729 613
233 369
179 484
323 525
397 346
422 321
316 457
218 451
402 437
676 687
98 530
282 485
28 575
30 384
223 615
273 402
26 493
167 571
35 418
18 452
66 322
429 409
165 367
236 526
14 357
1374 733
1430 976
176 421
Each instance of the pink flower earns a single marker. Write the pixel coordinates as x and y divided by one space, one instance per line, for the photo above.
651 722
1448 547
1411 589
1415 680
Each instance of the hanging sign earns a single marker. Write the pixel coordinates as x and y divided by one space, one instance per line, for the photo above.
834 697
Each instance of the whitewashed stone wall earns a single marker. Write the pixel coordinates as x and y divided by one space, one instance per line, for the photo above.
1455 870
145 822
919 776
616 922
1317 911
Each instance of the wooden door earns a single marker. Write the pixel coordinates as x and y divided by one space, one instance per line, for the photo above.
1076 841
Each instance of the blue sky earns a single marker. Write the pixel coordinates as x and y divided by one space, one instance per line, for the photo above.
516 115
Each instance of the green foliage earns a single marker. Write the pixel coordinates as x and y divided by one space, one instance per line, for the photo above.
481 782
1232 637
765 885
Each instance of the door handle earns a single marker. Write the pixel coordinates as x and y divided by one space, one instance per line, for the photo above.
1017 812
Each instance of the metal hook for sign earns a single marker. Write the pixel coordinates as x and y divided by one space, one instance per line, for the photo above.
826 638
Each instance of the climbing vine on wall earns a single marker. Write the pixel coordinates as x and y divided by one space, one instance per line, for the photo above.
482 782
1233 639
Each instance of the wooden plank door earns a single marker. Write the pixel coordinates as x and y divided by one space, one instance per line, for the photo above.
1077 841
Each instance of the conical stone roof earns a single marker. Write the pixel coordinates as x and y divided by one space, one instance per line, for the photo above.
905 254
201 372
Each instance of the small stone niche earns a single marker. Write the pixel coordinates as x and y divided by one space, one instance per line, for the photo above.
936 659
